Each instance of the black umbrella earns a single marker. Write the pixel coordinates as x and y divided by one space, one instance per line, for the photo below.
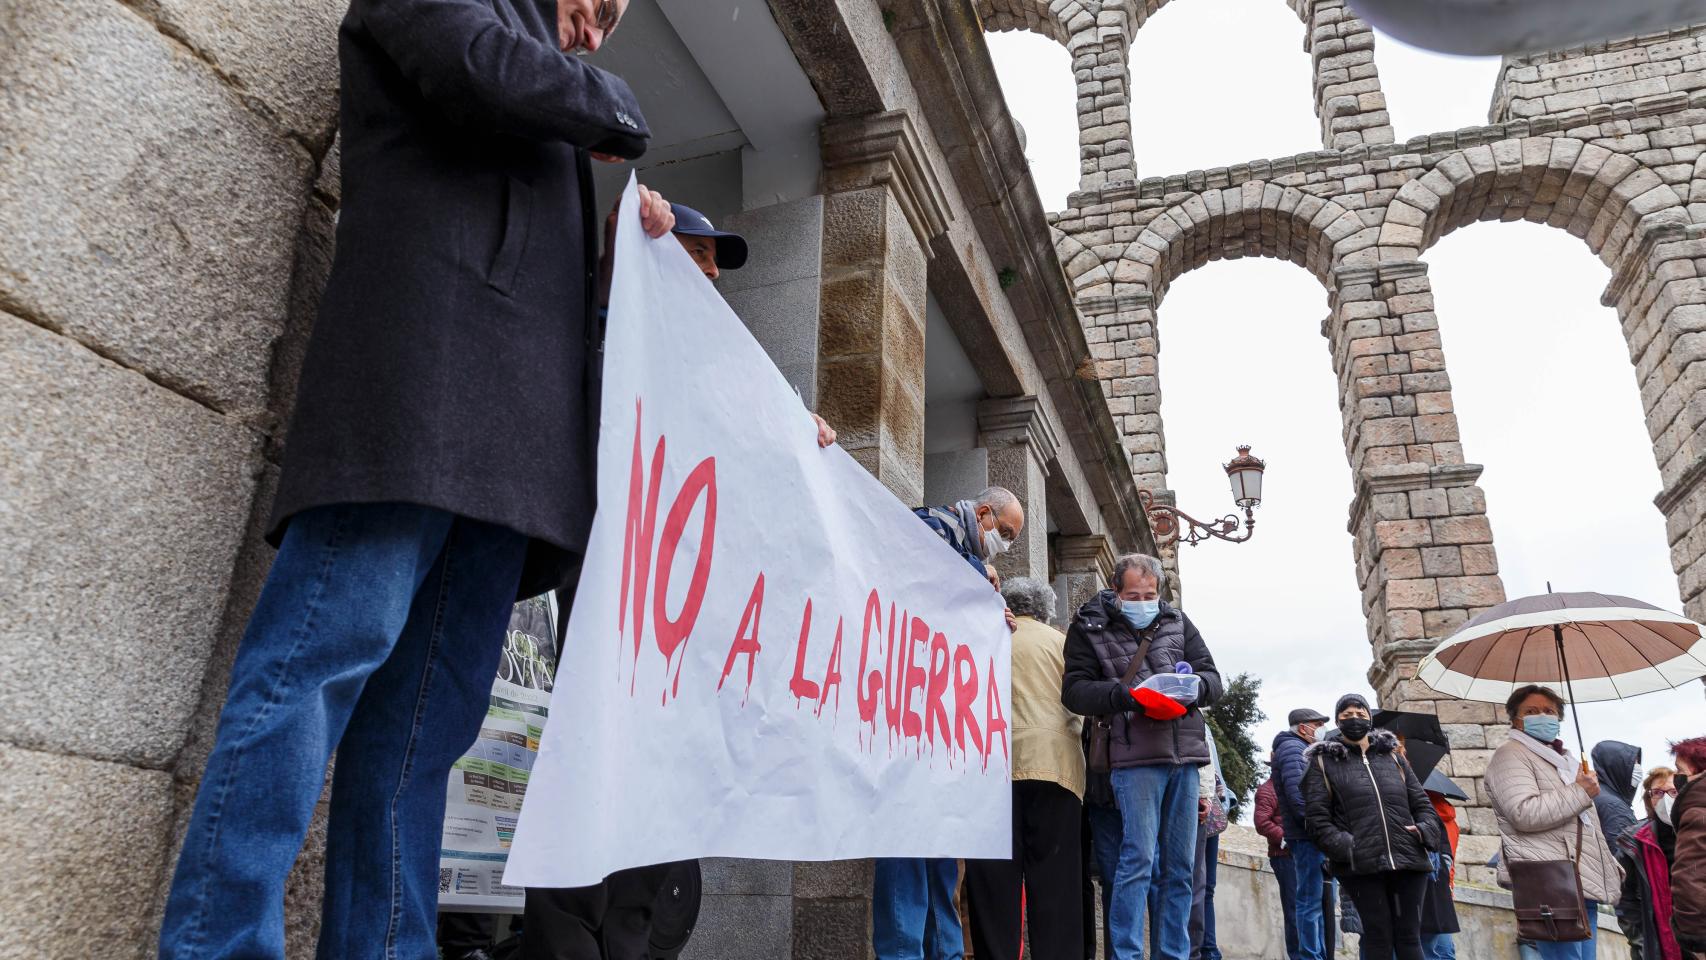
1425 742
1441 784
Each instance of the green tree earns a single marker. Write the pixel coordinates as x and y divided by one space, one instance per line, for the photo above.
1230 720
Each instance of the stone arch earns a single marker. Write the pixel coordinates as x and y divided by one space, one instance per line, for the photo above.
1640 227
1255 218
1036 16
1607 199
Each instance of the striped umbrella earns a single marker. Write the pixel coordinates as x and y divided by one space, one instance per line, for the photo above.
1598 646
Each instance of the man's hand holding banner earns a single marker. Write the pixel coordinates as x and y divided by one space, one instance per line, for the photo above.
768 656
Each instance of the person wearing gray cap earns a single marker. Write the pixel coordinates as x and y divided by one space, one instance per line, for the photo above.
1301 727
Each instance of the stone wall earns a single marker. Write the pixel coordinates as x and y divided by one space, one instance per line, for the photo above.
160 239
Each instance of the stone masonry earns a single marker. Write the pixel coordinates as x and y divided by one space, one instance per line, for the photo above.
1605 142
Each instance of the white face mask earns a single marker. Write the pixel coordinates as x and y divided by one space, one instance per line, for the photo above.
994 544
1662 809
1636 776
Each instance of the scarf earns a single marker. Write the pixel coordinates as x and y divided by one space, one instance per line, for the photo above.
1563 761
967 510
1658 881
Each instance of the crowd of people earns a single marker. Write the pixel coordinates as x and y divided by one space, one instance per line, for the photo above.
404 533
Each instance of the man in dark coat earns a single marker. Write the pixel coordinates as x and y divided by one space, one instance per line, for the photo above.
1307 861
1154 777
440 464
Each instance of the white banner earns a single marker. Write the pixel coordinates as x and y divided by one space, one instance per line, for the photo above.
488 783
768 656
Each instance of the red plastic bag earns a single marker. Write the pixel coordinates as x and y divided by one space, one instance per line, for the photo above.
1157 706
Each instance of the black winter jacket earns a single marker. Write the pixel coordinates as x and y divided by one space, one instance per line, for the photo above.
1099 648
1288 781
1357 808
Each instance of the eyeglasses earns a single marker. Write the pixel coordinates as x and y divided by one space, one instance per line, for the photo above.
1662 792
609 14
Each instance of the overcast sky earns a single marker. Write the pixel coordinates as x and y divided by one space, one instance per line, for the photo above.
1546 397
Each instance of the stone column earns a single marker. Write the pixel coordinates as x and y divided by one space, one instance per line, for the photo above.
1424 549
882 206
1021 444
1085 564
1348 98
1101 55
1125 349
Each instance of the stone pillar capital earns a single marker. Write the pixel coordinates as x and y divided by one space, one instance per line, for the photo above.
1017 421
884 149
1086 553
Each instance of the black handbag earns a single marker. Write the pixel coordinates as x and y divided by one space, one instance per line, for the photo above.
1099 757
1548 897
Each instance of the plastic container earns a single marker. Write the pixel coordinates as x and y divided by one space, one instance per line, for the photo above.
1179 687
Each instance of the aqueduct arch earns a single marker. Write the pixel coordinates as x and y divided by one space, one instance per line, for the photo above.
1098 33
1603 145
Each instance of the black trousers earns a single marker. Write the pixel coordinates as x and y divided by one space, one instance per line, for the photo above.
1390 905
609 921
1046 867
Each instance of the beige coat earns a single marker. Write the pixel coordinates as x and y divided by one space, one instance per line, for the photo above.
1537 813
1045 733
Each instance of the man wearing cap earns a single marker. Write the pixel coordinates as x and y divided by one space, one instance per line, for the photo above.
1307 860
439 464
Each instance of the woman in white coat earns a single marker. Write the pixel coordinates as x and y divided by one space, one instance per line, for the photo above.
1540 793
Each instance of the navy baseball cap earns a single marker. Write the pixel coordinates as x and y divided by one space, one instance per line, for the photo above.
731 247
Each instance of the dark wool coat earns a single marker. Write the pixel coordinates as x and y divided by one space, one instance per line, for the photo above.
1099 648
454 360
1357 807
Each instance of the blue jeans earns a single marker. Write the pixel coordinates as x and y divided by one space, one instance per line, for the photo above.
1286 872
1576 949
913 916
1438 946
377 634
1307 860
1158 838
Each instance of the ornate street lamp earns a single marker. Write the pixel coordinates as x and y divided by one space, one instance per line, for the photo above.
1245 475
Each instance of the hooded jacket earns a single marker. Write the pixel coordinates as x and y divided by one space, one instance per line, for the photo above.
1099 648
1358 805
1288 779
1615 763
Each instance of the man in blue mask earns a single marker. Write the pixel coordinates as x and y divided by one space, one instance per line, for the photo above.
912 902
1153 762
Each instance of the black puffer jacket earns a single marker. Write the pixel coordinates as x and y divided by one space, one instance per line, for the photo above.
1357 807
1099 648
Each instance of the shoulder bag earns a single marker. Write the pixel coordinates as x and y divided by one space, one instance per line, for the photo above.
1100 759
1548 896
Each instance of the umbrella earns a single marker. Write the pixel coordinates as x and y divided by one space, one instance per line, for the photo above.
1439 783
1599 646
1424 741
